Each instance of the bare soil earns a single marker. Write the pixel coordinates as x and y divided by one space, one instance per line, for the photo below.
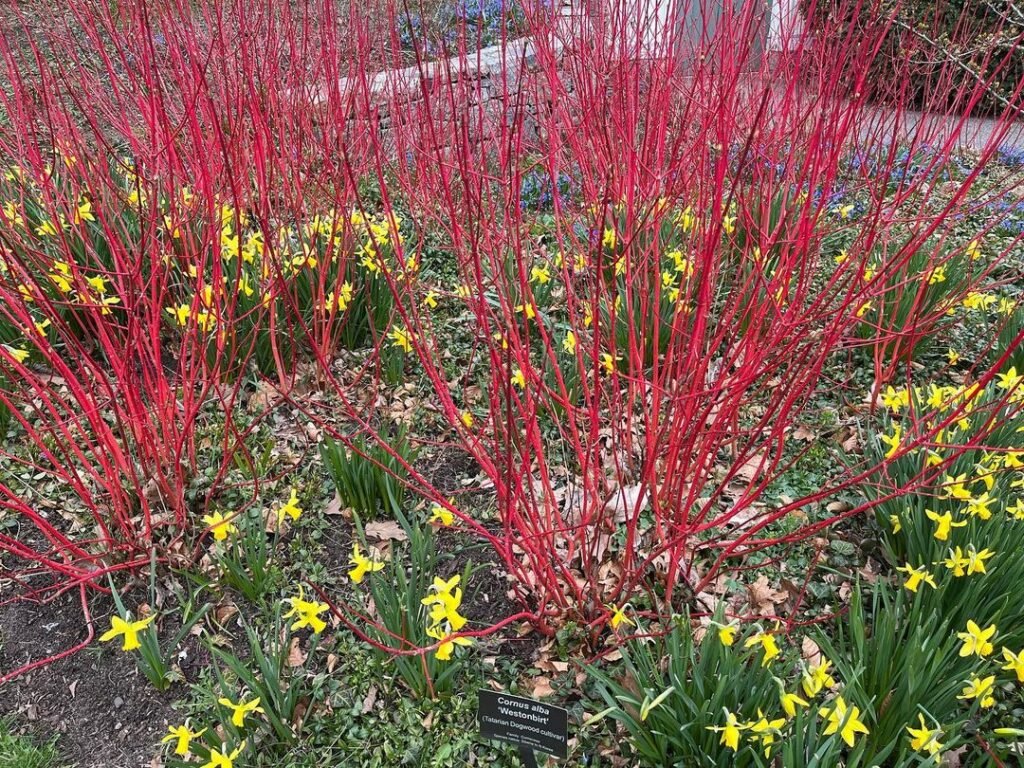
102 711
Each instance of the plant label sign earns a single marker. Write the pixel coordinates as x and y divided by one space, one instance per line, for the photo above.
531 724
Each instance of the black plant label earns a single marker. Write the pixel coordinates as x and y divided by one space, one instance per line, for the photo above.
526 722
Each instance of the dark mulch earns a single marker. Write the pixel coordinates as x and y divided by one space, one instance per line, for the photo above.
103 713
487 594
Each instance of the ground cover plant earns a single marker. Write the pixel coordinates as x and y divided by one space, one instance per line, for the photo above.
652 375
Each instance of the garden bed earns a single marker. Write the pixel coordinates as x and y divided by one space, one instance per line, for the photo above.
671 402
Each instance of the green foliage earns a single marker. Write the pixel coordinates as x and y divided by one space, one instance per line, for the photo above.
673 691
260 696
155 659
23 752
910 298
898 659
1007 335
268 675
398 591
247 565
368 476
931 48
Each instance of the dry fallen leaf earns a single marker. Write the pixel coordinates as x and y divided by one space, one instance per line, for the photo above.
803 433
370 700
809 651
334 506
224 611
296 656
764 598
385 530
751 468
542 687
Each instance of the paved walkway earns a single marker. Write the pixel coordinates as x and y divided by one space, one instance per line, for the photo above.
971 133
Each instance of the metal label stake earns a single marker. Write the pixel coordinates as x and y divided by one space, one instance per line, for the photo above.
528 757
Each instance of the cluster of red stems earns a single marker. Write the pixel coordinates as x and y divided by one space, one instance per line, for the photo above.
274 108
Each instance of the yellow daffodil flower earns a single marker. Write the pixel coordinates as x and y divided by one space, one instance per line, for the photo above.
937 275
306 613
1013 460
527 309
569 342
954 488
925 739
956 562
12 215
895 399
619 617
943 524
915 576
976 560
182 736
343 299
18 355
979 506
727 634
818 678
128 629
790 702
400 337
893 441
46 229
1016 510
241 709
180 313
767 642
540 274
1009 380
607 363
765 731
362 565
220 526
83 212
730 731
448 642
1014 663
843 720
980 689
976 641
290 508
686 219
444 603
222 759
440 514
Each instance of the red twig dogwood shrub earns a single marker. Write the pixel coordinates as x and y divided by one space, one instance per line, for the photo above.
154 249
188 204
636 370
